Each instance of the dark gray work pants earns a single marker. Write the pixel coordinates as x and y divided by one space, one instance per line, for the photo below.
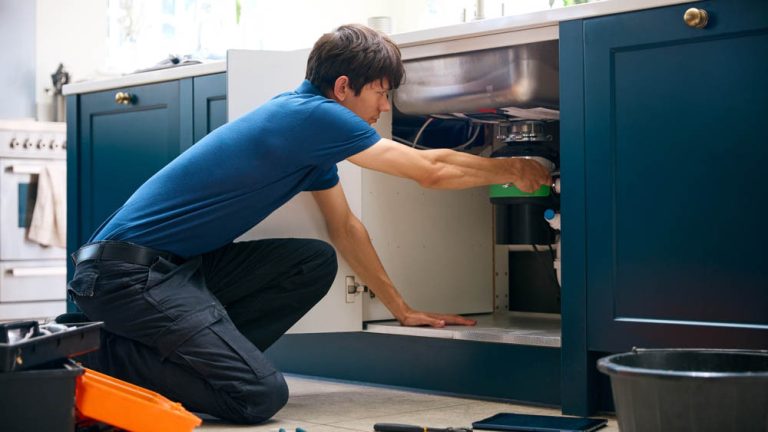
195 332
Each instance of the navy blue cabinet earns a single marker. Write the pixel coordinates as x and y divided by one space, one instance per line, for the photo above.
662 180
119 138
123 144
210 104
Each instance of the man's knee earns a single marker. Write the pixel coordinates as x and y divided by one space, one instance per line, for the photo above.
323 256
322 252
261 400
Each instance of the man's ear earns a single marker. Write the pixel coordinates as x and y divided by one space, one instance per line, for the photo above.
341 88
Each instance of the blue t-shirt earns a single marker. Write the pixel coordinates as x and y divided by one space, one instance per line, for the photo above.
237 175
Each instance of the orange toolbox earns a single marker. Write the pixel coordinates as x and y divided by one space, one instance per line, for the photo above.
130 407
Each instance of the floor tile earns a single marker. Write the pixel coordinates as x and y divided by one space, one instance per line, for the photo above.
461 415
357 403
325 406
275 426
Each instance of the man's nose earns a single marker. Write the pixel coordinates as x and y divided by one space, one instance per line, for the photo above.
385 106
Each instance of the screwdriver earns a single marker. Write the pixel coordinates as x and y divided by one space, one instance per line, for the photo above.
395 427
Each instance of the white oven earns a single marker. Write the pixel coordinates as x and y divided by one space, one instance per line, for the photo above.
18 193
32 276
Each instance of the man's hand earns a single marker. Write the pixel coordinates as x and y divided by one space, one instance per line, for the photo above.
414 318
530 174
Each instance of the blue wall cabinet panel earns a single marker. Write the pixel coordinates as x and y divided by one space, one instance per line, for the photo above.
123 144
675 153
210 103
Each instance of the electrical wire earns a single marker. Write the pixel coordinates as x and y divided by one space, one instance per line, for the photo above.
471 139
402 140
421 131
474 132
554 271
551 252
550 270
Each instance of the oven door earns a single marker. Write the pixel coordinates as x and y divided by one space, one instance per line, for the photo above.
26 281
18 191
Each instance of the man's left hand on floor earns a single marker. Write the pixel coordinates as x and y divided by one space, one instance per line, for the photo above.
418 318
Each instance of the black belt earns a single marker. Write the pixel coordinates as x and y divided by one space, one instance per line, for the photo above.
122 251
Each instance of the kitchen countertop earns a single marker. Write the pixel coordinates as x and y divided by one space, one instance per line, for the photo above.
141 78
541 25
544 18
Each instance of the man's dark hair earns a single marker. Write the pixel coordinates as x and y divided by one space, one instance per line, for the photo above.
361 53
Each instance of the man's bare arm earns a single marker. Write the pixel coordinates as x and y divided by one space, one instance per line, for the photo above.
353 242
448 169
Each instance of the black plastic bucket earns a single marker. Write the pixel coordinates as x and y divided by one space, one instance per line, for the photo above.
663 390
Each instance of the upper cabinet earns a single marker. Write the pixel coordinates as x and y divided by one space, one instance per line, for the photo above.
666 174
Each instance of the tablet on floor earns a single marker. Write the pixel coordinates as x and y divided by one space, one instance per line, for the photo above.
538 423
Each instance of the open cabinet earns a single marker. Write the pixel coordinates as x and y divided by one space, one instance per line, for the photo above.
439 249
437 246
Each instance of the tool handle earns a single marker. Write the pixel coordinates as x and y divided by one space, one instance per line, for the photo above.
395 427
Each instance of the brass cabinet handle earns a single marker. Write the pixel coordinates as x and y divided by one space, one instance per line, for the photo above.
697 18
123 98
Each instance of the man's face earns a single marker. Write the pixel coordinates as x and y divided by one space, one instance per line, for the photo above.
370 103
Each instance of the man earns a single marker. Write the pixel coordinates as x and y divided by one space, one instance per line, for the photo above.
187 312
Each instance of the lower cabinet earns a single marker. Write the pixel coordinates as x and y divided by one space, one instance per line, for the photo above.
209 104
119 138
123 144
663 181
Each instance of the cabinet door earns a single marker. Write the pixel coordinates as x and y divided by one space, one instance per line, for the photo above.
210 103
436 245
254 77
122 145
675 153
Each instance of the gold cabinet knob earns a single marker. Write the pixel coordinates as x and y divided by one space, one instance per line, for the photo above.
697 18
123 98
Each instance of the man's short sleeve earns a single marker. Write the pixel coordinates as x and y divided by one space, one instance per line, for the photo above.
326 181
339 132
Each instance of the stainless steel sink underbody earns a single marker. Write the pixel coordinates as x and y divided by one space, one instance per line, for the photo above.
523 76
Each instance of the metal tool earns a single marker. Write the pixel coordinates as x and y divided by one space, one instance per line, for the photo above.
395 427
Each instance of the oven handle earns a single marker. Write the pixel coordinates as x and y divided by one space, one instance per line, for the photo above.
25 169
37 271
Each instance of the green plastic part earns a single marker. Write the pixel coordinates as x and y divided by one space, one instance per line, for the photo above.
511 191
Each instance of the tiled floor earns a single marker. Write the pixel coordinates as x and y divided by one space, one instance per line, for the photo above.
323 406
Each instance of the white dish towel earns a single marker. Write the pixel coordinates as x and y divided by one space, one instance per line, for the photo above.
49 217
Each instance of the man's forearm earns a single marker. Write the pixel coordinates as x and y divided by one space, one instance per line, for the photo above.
456 170
355 246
